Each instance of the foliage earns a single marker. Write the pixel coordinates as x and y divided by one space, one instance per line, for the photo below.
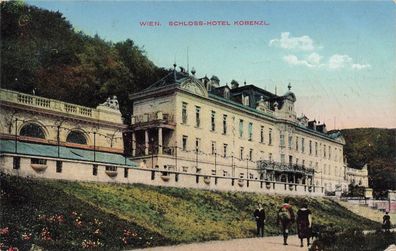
115 216
41 52
355 191
35 213
377 148
332 238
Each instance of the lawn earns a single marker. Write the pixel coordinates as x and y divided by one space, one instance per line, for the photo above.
62 215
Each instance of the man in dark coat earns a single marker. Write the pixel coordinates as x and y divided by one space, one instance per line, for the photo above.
259 215
386 223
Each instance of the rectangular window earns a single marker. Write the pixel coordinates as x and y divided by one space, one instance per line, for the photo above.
270 156
111 168
296 143
185 169
213 121
95 170
197 116
262 134
302 145
290 141
184 142
16 164
224 124
197 144
324 151
297 161
59 166
303 162
125 172
184 113
283 158
250 131
290 160
38 161
241 128
225 146
241 153
251 154
282 139
329 152
270 137
310 147
213 147
316 148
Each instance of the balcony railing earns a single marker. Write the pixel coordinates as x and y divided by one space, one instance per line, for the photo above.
45 103
283 167
153 117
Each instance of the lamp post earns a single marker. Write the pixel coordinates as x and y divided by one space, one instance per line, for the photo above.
58 141
94 146
216 163
16 135
152 153
247 167
232 166
176 156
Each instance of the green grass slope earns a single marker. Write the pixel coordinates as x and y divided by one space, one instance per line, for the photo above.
60 215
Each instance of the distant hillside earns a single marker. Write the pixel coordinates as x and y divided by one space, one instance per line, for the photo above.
377 148
60 215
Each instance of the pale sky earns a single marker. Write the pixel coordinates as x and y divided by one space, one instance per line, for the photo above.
340 57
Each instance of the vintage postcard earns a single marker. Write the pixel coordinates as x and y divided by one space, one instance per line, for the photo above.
198 125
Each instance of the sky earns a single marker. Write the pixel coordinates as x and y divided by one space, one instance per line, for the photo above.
340 57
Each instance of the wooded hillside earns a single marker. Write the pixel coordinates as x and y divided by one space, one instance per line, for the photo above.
377 148
42 52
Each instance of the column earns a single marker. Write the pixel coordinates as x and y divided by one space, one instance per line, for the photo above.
146 142
133 144
160 143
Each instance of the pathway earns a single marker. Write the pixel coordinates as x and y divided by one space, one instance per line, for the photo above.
272 243
367 212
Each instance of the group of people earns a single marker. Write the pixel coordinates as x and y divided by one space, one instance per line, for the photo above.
285 219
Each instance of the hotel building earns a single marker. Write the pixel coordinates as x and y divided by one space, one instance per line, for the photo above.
187 124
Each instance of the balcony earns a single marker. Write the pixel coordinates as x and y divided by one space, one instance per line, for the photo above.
283 167
47 104
152 120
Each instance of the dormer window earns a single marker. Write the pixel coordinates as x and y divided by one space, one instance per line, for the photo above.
246 100
226 94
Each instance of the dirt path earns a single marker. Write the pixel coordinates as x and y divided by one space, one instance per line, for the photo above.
272 243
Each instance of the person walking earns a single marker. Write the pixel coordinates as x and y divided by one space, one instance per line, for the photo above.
304 224
285 219
386 223
259 215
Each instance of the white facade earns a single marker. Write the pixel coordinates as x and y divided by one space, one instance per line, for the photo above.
100 128
193 138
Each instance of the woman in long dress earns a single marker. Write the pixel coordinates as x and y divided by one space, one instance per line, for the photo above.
304 224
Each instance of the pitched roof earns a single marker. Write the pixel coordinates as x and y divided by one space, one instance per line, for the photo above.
42 150
173 77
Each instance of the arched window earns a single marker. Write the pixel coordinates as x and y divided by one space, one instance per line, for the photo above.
76 137
32 130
